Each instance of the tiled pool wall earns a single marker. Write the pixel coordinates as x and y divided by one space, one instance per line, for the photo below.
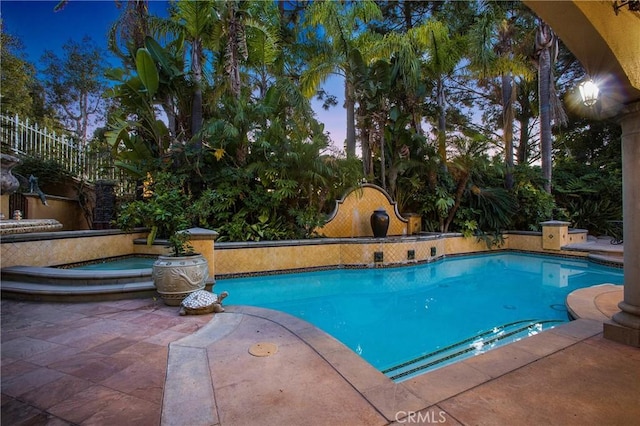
240 259
233 259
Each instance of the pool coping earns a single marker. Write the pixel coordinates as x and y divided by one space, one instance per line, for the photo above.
387 397
72 285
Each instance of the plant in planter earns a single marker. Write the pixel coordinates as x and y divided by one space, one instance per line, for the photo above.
167 213
175 277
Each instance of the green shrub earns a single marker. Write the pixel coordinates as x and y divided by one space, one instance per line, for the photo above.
534 206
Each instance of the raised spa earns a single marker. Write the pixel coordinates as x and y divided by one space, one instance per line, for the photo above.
118 278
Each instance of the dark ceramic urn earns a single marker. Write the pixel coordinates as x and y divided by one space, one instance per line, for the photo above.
380 223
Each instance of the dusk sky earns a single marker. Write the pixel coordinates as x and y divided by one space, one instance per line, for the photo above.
39 28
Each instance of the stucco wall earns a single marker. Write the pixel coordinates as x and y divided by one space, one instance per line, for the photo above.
76 247
255 258
65 210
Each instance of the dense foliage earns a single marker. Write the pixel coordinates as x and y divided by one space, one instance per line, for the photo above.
442 108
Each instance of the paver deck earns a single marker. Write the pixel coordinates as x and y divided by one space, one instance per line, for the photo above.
137 362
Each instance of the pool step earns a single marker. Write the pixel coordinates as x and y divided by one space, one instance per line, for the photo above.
73 277
74 285
465 348
76 293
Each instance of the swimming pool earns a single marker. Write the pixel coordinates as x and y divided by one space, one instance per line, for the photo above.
409 320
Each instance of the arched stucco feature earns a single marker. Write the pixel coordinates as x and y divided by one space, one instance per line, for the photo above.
352 214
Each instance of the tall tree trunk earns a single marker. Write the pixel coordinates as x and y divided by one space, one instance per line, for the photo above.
367 163
507 128
365 144
524 117
383 165
442 124
196 68
236 49
460 187
393 179
281 9
544 39
168 106
349 104
406 10
523 147
84 119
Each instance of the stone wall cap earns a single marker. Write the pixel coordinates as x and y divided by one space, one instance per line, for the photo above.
555 223
201 233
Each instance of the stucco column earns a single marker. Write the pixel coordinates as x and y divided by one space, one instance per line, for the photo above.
555 234
625 327
202 240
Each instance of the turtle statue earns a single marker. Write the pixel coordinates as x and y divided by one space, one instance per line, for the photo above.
202 302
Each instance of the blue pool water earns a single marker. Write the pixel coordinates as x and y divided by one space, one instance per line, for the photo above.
408 320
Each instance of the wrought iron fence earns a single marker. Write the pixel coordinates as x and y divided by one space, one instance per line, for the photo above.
25 139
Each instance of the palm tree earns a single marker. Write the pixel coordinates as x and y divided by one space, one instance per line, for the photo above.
445 52
195 22
340 25
372 86
494 54
524 115
221 27
408 51
237 30
546 51
130 30
265 46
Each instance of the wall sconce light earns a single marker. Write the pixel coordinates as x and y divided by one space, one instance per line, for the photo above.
634 5
589 92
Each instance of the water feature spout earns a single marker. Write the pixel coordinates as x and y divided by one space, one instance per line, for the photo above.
34 188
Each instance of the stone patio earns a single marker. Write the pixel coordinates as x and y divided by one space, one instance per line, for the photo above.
137 362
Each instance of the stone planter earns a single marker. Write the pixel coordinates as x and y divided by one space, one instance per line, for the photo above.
380 223
8 182
175 277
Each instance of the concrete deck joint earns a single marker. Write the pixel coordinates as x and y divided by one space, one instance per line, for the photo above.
188 396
